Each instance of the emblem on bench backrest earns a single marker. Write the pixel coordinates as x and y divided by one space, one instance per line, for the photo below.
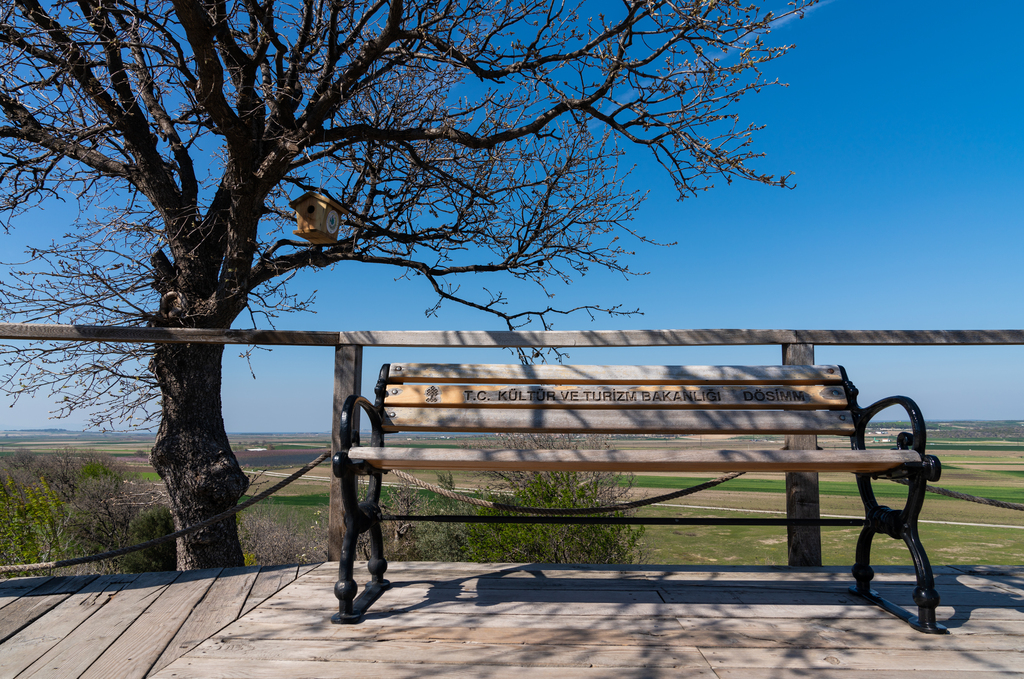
433 395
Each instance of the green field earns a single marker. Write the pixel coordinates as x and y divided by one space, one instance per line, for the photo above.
945 544
882 489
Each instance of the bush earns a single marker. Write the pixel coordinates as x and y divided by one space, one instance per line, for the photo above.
555 543
273 535
401 538
94 469
152 523
33 523
89 501
444 541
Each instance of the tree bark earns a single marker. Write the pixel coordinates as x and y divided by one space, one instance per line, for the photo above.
193 456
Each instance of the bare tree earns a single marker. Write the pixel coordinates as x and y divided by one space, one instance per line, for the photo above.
465 136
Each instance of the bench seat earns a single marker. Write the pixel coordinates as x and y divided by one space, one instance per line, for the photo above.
632 460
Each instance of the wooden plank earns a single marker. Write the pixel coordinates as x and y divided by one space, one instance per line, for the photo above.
415 606
575 338
14 588
957 597
268 583
133 653
651 338
68 584
191 667
305 568
221 605
610 397
38 601
835 422
802 500
1001 585
808 625
680 632
96 333
990 571
625 613
859 461
34 641
24 610
832 633
73 654
455 373
307 624
480 654
907 660
538 338
845 673
691 602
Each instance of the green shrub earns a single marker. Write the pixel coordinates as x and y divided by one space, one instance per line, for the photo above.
153 523
273 534
33 523
555 543
442 541
95 469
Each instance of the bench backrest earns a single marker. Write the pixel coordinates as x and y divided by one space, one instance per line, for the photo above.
809 399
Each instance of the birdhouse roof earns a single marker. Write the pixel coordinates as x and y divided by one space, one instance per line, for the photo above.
315 196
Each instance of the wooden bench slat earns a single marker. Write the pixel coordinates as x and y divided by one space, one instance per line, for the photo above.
611 397
836 422
443 373
699 460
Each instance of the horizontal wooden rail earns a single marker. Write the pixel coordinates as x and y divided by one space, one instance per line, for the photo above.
98 333
651 338
537 338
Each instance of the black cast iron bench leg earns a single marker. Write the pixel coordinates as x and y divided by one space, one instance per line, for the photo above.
360 517
898 525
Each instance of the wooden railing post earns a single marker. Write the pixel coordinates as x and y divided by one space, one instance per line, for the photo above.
348 373
802 500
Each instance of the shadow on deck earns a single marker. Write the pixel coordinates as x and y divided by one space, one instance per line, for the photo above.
494 620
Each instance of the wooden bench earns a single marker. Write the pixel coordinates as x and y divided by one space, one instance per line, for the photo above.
664 400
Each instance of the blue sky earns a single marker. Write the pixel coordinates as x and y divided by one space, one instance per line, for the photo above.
902 123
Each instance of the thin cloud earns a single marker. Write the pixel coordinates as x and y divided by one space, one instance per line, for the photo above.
779 23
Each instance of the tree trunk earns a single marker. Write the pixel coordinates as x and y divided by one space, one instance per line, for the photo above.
192 454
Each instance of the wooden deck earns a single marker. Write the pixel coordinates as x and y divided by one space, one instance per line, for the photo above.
479 620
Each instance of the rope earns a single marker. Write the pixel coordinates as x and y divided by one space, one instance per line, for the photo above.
969 498
167 538
444 492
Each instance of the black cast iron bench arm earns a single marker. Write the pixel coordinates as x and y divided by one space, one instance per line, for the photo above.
863 417
349 437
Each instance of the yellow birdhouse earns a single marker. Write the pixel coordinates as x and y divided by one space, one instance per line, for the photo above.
319 217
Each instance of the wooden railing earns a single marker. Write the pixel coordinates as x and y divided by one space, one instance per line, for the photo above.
797 349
